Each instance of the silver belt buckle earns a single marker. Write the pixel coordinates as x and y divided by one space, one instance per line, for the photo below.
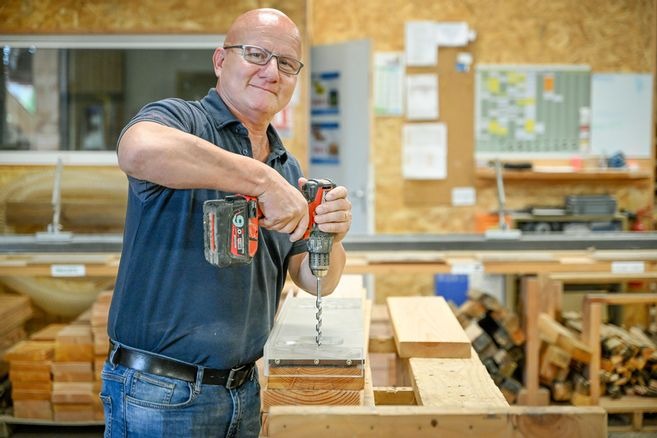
231 382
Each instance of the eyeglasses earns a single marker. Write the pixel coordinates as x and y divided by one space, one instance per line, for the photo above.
259 56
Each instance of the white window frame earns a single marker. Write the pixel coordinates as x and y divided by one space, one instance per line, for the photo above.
126 41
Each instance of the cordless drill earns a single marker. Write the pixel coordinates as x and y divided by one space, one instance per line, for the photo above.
231 234
230 230
319 242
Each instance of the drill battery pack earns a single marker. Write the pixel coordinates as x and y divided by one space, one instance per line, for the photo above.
230 228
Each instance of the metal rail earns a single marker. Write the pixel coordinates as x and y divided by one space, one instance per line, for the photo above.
388 242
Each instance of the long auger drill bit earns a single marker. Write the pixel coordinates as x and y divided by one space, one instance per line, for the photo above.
318 315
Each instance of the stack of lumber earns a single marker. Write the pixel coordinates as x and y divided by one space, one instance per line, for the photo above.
56 373
30 376
99 315
563 359
314 383
313 386
497 338
443 367
74 396
15 310
322 377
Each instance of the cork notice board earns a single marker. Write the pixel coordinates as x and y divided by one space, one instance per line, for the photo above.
456 109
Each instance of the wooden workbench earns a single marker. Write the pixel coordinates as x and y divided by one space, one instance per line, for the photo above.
598 262
449 396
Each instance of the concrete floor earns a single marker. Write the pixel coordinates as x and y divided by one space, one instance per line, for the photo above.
22 431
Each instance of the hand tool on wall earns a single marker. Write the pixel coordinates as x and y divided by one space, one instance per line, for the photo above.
319 242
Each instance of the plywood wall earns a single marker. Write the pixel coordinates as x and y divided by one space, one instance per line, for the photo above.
608 35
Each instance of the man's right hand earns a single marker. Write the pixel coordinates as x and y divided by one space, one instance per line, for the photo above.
284 208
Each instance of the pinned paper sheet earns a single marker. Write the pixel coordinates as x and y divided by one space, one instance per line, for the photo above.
463 196
388 83
420 43
425 151
422 97
454 34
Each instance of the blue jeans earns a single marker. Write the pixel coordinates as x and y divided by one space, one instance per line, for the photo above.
139 404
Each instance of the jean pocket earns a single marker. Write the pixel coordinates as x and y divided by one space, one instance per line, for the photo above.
157 391
107 410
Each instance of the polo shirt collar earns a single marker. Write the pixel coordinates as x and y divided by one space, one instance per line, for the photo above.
222 117
218 109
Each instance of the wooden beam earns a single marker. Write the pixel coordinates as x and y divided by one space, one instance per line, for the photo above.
592 313
424 421
454 383
319 382
531 303
394 396
620 299
272 397
426 327
382 344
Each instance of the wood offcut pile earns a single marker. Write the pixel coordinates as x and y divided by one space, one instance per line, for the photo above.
497 338
563 361
55 373
628 364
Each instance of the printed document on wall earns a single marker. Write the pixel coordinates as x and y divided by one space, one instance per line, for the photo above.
422 97
454 34
389 83
420 43
424 151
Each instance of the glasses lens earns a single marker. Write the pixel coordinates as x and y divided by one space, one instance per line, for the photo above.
256 55
259 56
288 65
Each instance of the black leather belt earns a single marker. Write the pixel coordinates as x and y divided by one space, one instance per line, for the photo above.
150 363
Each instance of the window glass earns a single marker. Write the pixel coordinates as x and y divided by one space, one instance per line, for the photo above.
79 99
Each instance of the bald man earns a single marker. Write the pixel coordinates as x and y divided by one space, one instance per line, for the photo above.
184 333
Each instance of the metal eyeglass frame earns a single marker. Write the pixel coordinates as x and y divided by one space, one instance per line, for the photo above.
270 55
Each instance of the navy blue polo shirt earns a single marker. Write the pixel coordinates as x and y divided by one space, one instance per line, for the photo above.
168 299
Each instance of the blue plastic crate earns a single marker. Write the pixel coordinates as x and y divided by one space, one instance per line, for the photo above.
452 287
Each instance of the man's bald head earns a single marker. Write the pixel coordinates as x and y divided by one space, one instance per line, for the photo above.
262 22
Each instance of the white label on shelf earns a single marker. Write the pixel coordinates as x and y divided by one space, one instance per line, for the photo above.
68 270
467 268
628 267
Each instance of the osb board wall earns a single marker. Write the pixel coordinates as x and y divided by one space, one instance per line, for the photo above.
144 17
608 35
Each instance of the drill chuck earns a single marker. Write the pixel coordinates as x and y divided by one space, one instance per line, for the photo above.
319 252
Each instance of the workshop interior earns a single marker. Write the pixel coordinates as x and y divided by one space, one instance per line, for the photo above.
500 160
